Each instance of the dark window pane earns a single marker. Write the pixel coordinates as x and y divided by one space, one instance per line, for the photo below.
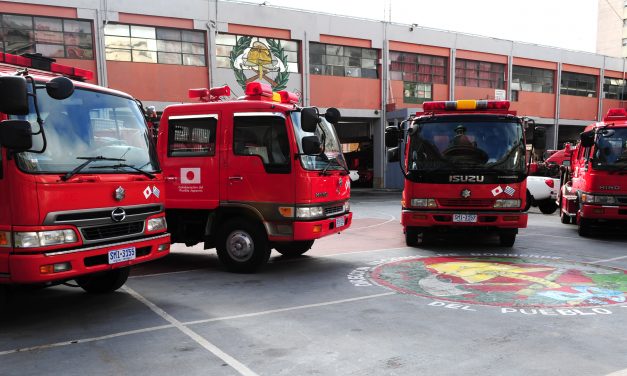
369 73
169 34
17 22
316 59
317 49
193 36
50 24
337 71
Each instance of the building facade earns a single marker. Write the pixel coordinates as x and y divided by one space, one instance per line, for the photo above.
612 28
377 73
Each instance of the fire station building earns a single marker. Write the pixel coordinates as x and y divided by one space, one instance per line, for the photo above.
375 72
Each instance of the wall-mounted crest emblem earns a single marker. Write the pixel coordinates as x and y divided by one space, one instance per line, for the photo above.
266 61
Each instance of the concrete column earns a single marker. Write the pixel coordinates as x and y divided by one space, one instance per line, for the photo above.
558 95
306 76
601 94
385 84
451 80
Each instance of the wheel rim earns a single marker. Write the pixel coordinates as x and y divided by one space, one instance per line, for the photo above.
240 245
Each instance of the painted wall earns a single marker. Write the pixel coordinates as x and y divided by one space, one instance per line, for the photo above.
535 104
345 92
578 108
612 103
156 82
466 92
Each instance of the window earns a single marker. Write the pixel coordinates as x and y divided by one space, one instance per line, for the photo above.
264 137
227 43
418 73
414 92
532 79
192 137
614 88
581 85
479 74
146 44
334 60
52 37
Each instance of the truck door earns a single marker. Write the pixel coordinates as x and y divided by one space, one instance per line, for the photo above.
190 165
5 218
260 161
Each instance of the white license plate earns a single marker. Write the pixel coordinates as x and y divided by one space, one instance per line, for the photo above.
121 255
339 222
466 218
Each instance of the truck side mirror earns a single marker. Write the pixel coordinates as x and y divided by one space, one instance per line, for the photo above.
392 136
309 119
332 115
587 139
394 154
539 138
60 88
16 135
14 94
311 145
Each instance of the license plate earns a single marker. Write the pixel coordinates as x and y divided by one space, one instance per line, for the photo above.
466 218
339 222
121 255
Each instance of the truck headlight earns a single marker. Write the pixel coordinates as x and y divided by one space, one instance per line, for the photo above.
32 239
347 207
605 200
423 203
312 212
156 224
507 204
587 198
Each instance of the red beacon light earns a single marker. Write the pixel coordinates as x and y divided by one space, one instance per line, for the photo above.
210 95
287 97
37 61
466 104
615 114
258 89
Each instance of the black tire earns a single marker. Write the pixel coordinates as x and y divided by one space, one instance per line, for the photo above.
583 228
565 218
293 249
547 206
243 246
4 298
411 236
105 282
507 238
529 201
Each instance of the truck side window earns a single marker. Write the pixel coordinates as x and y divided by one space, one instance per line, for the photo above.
265 137
192 137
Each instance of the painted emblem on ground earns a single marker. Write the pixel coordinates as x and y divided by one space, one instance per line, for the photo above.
526 284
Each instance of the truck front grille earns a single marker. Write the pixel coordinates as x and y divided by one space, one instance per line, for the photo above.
112 231
333 210
468 203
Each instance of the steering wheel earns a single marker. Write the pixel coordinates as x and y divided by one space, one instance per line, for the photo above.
463 151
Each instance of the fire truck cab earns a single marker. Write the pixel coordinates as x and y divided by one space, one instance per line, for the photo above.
594 189
465 169
252 174
80 186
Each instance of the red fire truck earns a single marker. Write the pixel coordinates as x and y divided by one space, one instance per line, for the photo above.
80 187
464 167
594 189
248 175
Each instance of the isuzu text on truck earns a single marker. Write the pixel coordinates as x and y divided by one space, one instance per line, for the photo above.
594 189
80 188
248 175
465 168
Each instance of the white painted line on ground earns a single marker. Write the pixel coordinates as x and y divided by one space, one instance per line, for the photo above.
622 372
85 340
371 226
234 363
607 260
367 251
287 309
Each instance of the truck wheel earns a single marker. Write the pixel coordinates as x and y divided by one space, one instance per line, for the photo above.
293 248
4 298
583 227
507 238
547 206
100 283
242 246
565 218
528 203
411 236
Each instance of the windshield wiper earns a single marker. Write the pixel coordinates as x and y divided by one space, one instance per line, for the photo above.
124 165
329 162
88 160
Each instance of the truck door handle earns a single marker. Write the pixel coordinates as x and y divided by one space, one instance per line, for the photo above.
235 178
171 178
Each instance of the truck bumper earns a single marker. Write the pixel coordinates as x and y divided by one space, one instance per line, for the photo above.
25 268
415 218
604 212
319 229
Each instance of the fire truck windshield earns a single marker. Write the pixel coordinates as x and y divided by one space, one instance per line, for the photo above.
86 125
611 149
460 144
332 157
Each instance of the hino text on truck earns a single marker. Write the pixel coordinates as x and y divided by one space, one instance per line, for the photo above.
594 188
80 188
465 166
248 175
